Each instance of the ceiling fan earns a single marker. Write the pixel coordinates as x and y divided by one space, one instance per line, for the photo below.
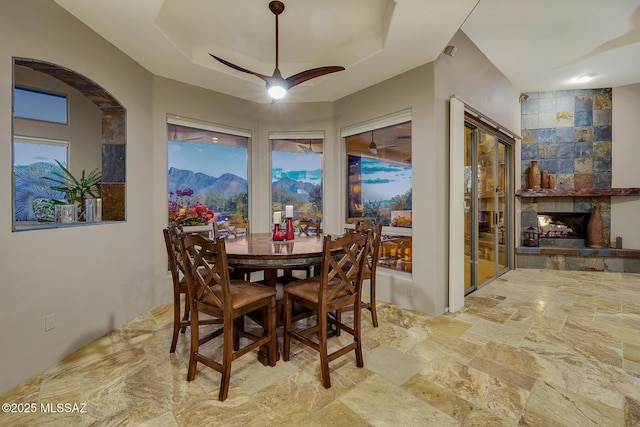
277 86
373 147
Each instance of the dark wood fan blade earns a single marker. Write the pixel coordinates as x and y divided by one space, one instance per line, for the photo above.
244 70
296 79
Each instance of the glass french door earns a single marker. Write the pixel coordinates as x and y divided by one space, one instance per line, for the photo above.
487 206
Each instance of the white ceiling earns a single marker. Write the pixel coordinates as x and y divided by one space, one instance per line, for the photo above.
538 45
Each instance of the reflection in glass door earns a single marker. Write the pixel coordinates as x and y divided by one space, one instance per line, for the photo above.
486 210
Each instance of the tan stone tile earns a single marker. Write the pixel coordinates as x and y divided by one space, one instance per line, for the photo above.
631 352
631 412
481 418
568 408
482 390
375 396
440 344
438 397
500 371
448 324
336 414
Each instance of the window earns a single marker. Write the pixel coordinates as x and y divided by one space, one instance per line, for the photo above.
37 105
379 176
207 175
296 176
33 160
379 184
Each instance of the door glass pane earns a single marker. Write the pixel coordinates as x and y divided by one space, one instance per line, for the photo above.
486 207
501 187
468 208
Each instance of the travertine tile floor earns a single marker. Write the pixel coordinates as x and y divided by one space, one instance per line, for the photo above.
533 348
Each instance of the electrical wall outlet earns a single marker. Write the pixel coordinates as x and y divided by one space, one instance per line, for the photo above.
49 322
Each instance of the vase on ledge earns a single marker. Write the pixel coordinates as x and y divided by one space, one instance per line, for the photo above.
534 176
595 229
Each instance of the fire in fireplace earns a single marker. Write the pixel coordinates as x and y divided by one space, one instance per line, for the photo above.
563 225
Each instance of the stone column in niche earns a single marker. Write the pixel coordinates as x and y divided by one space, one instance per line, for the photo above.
113 164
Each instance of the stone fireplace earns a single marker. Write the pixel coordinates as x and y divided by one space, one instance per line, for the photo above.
569 133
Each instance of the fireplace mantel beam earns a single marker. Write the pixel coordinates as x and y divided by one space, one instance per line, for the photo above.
578 192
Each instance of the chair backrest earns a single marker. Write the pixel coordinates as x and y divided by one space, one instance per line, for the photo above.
207 271
373 250
174 255
208 230
308 227
343 261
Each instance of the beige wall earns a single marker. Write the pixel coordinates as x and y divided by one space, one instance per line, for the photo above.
625 154
472 78
93 278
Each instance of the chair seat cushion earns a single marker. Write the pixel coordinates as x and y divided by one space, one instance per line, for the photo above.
308 289
242 293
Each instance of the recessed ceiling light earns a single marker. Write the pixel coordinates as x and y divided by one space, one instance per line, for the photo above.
581 79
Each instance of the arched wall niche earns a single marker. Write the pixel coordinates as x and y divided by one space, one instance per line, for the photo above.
113 133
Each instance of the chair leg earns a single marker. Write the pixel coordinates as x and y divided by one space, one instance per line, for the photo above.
286 339
374 311
322 347
357 322
227 357
176 323
271 330
195 344
185 317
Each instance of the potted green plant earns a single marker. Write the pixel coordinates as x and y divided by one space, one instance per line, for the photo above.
76 190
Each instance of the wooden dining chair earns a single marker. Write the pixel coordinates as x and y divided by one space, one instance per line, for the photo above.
178 276
208 230
177 267
211 292
373 254
336 287
308 227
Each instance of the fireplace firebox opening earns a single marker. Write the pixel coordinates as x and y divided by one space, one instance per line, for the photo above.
563 225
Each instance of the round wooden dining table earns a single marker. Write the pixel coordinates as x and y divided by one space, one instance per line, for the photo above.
259 251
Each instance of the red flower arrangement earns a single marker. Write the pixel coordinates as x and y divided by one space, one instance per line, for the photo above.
182 212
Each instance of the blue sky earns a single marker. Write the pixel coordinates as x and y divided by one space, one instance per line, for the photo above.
27 153
207 158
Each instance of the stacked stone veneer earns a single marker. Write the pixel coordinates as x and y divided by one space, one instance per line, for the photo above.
569 134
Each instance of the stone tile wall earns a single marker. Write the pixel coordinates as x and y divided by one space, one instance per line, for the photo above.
569 134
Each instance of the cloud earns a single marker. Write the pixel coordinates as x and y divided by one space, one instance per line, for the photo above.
376 168
377 181
175 147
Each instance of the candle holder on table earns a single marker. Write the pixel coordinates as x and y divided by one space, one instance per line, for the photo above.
289 233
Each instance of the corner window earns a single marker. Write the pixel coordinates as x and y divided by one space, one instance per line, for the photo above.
207 177
296 176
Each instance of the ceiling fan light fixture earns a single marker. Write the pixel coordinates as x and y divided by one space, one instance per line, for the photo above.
276 91
277 86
